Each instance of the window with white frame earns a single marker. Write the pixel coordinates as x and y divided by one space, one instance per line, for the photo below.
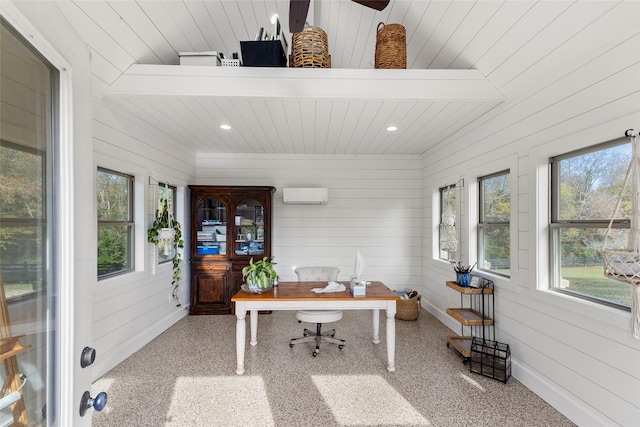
114 192
448 235
168 192
494 223
585 187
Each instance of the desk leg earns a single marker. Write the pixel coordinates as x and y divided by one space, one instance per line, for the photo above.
391 340
241 336
376 326
253 321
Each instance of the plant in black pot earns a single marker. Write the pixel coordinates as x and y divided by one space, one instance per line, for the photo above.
166 234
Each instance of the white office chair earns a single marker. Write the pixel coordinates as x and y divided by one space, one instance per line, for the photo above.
312 274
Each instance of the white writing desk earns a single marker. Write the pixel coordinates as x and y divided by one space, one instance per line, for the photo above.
298 296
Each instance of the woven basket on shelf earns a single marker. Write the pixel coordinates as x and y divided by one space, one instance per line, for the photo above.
391 46
310 49
408 309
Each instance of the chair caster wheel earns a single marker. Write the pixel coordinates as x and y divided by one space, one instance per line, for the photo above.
305 335
333 335
315 353
341 346
290 345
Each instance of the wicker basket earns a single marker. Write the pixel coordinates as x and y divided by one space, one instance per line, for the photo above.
310 49
391 46
408 309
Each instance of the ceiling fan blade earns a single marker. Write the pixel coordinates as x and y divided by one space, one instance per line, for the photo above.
297 14
373 4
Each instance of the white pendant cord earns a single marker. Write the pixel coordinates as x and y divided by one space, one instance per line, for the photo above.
169 213
634 239
616 209
634 322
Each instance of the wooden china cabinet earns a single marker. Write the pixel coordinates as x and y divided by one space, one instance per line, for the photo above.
230 225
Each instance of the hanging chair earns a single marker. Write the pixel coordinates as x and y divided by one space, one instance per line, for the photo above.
624 264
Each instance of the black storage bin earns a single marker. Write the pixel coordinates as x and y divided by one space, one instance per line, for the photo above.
490 358
263 54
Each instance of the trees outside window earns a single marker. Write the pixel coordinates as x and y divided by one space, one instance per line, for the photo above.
585 186
22 218
114 193
494 217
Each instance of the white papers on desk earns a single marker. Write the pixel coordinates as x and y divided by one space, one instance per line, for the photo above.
331 287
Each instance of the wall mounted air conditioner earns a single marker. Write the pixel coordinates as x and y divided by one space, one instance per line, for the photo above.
305 196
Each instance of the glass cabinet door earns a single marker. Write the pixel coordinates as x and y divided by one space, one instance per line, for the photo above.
249 225
212 228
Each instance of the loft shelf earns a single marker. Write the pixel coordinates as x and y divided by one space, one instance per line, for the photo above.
273 82
176 98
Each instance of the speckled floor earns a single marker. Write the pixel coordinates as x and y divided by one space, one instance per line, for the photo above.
186 377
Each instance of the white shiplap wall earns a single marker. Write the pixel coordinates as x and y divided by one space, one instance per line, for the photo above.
132 309
374 207
578 356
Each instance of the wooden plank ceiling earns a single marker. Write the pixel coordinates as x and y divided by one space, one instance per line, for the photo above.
503 40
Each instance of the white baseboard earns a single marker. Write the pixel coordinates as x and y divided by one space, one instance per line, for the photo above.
104 363
567 404
442 316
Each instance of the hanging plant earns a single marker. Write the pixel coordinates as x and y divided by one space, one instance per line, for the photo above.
166 234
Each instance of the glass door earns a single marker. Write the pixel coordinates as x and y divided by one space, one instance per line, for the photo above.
249 225
45 319
28 329
211 228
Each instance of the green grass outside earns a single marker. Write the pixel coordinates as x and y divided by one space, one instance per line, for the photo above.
16 289
591 281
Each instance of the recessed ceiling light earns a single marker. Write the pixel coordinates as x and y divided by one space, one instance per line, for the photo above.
225 127
392 128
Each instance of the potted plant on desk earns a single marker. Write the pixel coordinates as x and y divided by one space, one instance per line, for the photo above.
259 276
